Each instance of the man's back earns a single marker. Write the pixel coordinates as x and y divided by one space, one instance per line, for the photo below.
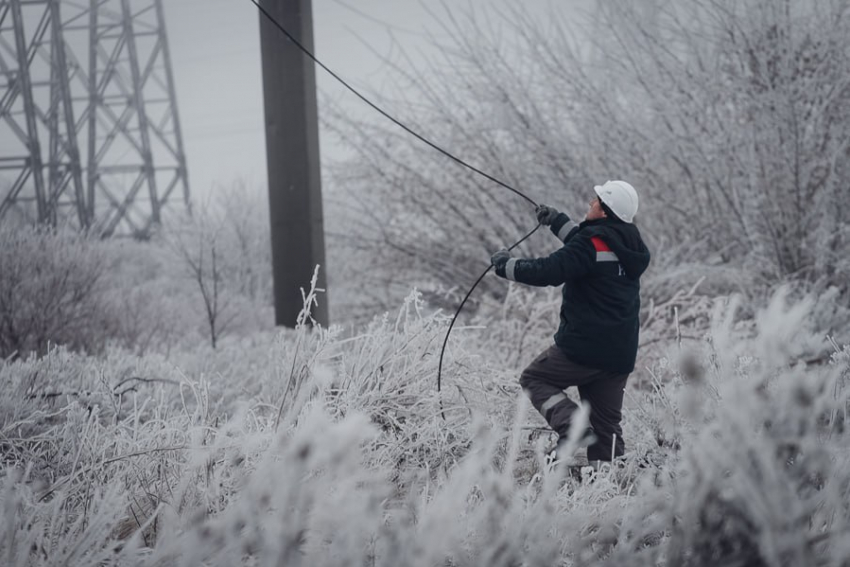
600 309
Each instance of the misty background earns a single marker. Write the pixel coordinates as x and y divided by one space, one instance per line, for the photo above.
215 52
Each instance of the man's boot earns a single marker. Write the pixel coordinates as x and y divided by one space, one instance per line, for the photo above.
559 452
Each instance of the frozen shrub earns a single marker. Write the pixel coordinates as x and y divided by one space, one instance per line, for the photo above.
761 474
51 283
43 533
389 371
519 327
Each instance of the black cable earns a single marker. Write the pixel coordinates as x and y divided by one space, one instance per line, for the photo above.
460 307
432 145
383 112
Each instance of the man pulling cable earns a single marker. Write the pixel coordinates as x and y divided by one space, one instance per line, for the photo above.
599 266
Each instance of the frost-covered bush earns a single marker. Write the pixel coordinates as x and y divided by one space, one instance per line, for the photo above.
63 288
759 475
152 307
51 285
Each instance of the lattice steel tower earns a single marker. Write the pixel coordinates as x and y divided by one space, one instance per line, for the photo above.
94 142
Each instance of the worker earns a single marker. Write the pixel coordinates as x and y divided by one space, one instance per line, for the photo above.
599 266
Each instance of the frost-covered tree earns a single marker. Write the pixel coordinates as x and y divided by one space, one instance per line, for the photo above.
735 117
245 240
224 250
732 119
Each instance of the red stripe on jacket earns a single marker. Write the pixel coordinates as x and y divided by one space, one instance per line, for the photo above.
599 244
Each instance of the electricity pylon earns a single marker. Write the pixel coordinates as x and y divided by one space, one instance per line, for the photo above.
93 142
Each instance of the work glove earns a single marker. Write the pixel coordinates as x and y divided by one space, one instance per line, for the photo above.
545 214
500 258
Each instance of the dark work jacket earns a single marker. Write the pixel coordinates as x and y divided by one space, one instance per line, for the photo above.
599 266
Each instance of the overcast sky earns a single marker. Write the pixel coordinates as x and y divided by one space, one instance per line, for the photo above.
216 57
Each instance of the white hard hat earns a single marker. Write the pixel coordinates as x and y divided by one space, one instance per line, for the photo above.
620 197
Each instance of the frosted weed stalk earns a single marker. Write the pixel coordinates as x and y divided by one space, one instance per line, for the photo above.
300 369
389 371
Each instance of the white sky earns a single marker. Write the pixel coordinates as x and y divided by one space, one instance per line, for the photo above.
216 58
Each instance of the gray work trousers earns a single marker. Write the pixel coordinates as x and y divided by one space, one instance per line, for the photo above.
545 380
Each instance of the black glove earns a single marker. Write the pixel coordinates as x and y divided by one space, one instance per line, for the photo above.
500 258
545 214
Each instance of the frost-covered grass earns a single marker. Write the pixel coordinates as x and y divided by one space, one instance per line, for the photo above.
318 447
